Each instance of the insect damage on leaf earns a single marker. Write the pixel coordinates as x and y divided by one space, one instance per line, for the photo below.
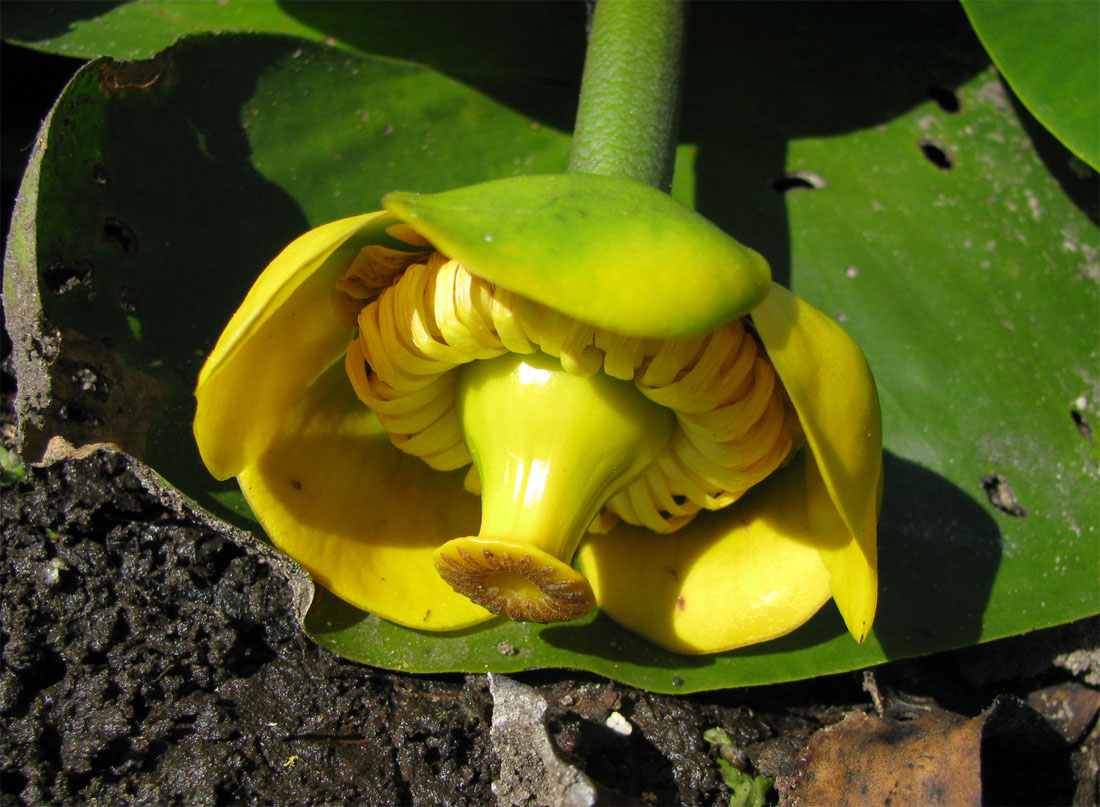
141 74
1001 495
96 400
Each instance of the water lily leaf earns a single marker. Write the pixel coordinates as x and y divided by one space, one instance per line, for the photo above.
952 240
971 284
541 42
138 30
1047 52
535 68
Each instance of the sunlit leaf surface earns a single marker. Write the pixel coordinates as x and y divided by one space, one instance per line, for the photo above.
893 182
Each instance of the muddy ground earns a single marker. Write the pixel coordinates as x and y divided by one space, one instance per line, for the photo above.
150 660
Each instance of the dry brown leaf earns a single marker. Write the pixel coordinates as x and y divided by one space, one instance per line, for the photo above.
870 760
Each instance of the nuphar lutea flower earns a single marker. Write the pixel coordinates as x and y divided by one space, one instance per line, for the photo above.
537 396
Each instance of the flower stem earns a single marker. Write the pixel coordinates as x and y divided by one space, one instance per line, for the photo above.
628 112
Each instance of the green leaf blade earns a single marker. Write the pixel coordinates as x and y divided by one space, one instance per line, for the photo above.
1048 53
141 29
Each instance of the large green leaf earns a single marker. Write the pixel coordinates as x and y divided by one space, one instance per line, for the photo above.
537 44
973 292
528 55
949 243
138 30
1048 53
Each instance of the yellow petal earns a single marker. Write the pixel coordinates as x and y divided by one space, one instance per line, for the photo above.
830 385
731 578
363 518
284 335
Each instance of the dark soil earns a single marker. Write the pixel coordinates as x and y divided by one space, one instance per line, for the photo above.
150 660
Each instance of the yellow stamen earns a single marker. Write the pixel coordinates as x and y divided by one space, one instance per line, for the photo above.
370 271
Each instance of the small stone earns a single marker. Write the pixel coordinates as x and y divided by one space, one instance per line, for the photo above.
1084 663
531 773
1069 708
50 571
619 724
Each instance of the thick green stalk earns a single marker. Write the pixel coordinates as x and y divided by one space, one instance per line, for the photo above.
627 117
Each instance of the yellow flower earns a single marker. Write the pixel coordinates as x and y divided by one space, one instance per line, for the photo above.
602 355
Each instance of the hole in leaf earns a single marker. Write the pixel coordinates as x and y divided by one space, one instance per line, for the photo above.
945 99
121 235
140 74
78 414
129 299
937 155
797 181
1082 424
86 378
64 277
101 175
1001 495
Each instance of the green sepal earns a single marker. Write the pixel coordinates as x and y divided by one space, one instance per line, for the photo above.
612 252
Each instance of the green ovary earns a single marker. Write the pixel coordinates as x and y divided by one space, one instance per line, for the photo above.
550 449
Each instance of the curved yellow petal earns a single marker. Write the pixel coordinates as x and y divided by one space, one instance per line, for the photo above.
731 578
830 385
277 343
363 518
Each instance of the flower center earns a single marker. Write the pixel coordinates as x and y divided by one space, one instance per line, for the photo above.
733 422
